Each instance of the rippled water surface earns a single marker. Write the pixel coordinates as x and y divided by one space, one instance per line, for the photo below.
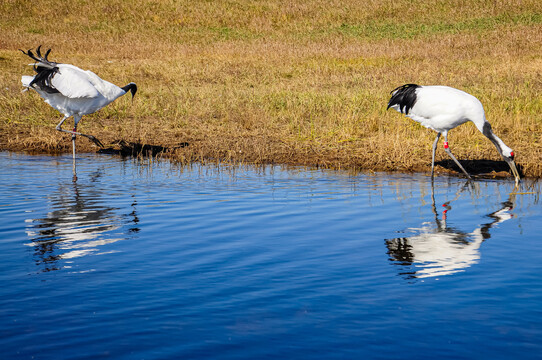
149 260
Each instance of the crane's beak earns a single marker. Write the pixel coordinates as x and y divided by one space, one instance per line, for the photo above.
514 169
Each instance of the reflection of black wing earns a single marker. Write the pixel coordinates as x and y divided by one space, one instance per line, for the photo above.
400 251
440 250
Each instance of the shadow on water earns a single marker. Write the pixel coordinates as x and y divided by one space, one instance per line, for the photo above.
437 249
78 224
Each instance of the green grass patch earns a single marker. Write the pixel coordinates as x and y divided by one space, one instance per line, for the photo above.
388 29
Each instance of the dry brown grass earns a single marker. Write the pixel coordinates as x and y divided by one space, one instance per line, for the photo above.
281 81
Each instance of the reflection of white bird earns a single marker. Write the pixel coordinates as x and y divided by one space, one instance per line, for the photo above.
71 91
437 251
78 223
442 108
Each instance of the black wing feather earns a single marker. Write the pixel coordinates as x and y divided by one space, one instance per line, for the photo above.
404 96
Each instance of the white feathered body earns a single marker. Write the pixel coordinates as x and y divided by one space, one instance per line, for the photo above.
442 108
80 92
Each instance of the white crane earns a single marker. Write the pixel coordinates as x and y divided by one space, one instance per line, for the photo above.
71 90
442 108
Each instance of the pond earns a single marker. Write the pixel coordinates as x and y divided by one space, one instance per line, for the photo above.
143 259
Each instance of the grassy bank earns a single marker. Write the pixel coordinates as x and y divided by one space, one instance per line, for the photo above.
281 81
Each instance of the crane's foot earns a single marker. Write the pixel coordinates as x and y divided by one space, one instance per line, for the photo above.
95 140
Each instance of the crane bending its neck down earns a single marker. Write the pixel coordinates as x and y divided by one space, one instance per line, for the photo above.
442 108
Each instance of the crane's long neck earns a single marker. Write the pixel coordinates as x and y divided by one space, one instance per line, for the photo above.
499 144
506 153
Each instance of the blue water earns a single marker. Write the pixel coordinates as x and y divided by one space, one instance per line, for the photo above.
151 260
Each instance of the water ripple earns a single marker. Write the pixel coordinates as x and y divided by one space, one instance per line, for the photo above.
143 259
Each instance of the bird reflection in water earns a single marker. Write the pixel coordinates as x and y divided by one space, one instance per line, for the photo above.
78 224
437 249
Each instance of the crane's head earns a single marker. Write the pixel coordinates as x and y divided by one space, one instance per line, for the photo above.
506 153
508 156
131 87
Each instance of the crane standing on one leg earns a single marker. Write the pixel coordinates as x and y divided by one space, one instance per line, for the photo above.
443 108
72 91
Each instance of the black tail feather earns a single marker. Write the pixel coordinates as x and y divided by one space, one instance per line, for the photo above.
39 58
47 54
44 73
30 53
38 51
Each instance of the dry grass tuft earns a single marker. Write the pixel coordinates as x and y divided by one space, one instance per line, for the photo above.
281 82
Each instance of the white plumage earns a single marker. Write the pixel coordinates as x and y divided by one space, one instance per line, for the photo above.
442 108
71 90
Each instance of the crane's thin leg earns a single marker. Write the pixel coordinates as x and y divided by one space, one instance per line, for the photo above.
453 157
74 132
73 144
433 161
74 167
59 128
